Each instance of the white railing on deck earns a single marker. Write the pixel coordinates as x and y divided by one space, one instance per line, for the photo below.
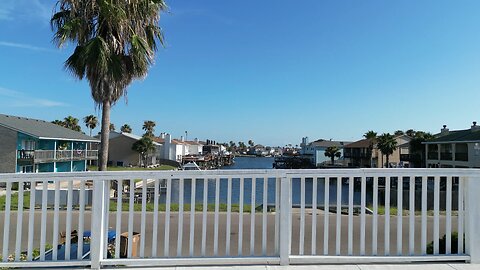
241 217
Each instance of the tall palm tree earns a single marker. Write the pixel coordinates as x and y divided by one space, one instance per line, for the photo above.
115 44
370 134
90 122
149 127
387 144
111 127
126 128
332 152
71 122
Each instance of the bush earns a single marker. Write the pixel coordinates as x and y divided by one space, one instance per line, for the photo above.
442 244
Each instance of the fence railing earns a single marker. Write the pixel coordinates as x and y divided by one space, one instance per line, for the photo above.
239 217
58 155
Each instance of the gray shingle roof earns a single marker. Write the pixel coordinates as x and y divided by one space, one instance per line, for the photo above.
42 129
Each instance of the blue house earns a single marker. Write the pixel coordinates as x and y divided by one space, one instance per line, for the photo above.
31 145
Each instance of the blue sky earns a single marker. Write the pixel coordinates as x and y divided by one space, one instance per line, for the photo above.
271 71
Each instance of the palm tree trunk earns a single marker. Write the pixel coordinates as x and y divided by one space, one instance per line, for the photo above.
387 161
103 159
333 159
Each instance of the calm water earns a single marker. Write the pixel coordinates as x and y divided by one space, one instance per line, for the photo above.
257 163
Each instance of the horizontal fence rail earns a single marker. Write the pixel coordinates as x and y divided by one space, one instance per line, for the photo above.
239 217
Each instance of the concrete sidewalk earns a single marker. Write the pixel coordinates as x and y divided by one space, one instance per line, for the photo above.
406 266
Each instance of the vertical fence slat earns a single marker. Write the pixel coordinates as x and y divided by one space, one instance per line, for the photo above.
424 216
43 222
350 215
166 241
277 216
448 221
387 216
399 214
81 215
326 215
155 218
6 222
56 212
130 218
68 227
240 217
18 238
192 216
204 216
118 224
411 205
143 218
264 216
215 226
302 217
460 214
363 195
106 194
339 217
375 217
229 217
436 212
252 217
180 216
314 216
31 220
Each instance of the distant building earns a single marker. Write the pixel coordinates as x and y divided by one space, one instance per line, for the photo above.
316 150
120 151
454 149
30 145
394 160
359 153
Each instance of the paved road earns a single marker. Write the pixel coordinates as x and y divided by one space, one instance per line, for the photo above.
234 232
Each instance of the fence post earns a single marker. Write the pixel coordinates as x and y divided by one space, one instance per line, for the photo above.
472 209
98 223
285 225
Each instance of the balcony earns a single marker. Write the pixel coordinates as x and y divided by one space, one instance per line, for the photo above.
433 155
445 156
300 217
39 156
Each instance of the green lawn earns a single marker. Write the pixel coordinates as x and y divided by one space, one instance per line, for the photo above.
160 168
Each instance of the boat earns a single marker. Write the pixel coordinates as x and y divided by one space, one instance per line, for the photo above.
191 166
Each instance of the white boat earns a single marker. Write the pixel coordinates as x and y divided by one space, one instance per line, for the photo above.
191 166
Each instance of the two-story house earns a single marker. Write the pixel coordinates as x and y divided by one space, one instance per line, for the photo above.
31 145
315 151
454 149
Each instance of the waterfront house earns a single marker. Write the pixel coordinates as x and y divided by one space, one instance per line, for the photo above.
454 149
120 151
30 145
359 153
316 151
394 160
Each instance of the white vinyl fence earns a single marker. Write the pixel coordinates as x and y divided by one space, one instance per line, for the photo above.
231 217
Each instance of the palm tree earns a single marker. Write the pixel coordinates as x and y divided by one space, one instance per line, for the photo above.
111 127
115 45
251 143
149 127
372 137
332 152
71 122
58 122
387 144
398 132
143 147
410 133
370 134
126 128
91 122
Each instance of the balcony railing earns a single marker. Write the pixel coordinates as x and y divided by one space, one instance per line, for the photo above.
59 155
241 217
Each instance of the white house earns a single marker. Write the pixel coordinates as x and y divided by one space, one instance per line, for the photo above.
316 150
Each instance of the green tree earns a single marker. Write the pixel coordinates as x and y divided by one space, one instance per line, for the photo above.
115 44
58 122
90 122
332 152
149 127
370 134
251 143
71 122
126 128
111 127
143 146
398 133
386 143
410 133
417 149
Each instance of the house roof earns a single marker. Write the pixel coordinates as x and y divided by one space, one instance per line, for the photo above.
466 135
114 135
328 143
42 129
365 143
